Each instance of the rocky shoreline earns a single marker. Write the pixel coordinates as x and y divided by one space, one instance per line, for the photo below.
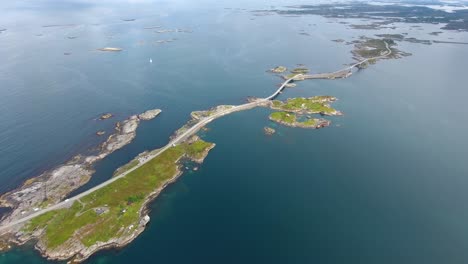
150 114
305 111
318 123
54 185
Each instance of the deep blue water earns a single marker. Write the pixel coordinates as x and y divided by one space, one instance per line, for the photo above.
385 184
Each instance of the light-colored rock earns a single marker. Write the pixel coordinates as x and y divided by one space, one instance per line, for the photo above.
106 116
269 131
150 114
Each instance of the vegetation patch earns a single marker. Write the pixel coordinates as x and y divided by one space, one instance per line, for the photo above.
283 117
127 167
311 105
290 119
300 71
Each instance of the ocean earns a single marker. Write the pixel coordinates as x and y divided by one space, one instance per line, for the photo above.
384 183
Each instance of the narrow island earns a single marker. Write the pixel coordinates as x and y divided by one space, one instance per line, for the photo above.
114 215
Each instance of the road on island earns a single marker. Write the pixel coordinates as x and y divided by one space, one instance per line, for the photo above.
180 138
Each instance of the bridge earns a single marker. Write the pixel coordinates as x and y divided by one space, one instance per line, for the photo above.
280 89
180 138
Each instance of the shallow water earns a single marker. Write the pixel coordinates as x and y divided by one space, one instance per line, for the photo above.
385 183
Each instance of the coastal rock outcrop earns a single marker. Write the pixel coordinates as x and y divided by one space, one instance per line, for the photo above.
290 119
150 114
268 131
106 116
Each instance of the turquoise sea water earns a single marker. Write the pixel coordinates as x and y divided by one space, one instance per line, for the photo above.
386 183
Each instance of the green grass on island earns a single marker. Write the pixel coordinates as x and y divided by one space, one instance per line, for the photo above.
279 69
126 167
291 119
300 71
312 105
113 211
311 122
283 117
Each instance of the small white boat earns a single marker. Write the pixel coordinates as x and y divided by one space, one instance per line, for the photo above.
151 60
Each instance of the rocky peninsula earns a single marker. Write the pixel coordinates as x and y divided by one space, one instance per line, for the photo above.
366 48
112 216
54 185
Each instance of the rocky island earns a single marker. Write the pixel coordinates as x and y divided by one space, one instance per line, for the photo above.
268 131
150 114
312 105
106 116
278 69
292 111
366 48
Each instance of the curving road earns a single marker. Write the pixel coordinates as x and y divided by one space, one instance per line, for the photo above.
180 138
